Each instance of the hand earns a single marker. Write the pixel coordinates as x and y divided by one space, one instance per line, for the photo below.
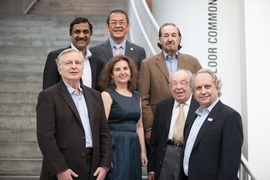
100 173
144 159
66 175
147 136
151 177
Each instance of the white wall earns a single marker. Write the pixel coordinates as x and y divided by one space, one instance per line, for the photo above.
243 30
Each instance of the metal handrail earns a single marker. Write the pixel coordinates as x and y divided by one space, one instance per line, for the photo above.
30 6
150 31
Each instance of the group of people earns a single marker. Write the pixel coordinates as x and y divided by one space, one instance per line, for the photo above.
106 111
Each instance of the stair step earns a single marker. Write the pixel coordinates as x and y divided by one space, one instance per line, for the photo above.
20 150
18 97
18 136
20 87
20 167
19 177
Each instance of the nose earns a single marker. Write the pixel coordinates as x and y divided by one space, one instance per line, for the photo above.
203 90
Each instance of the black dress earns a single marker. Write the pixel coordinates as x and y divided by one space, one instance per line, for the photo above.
125 113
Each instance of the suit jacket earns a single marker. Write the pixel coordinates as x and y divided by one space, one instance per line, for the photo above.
104 52
61 136
216 153
153 83
51 75
160 132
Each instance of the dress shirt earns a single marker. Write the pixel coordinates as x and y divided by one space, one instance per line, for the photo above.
122 44
201 116
172 63
87 72
175 113
81 106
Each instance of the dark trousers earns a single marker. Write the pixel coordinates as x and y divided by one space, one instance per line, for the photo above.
88 167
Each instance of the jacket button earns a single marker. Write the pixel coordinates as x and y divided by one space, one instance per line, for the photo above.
83 137
160 162
83 154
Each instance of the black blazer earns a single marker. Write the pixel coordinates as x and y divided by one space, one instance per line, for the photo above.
216 153
51 75
160 131
104 52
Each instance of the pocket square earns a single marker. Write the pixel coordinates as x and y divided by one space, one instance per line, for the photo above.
210 119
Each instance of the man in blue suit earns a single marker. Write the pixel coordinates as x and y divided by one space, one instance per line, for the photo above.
213 136
118 25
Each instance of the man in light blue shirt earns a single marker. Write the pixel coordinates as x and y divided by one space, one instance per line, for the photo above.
213 136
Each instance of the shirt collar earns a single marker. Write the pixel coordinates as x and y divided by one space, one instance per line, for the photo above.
175 105
113 43
166 55
88 53
209 109
71 90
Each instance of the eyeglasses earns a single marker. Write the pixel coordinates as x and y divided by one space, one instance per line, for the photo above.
114 23
70 63
182 83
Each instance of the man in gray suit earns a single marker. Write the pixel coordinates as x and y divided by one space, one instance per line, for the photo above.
118 25
155 71
72 130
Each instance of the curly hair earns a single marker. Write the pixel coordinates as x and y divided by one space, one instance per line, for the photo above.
105 76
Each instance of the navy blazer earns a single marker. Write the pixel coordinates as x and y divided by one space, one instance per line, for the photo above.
216 153
104 52
160 132
51 75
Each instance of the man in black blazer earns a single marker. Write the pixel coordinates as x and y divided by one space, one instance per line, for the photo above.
164 151
80 35
72 130
213 136
117 25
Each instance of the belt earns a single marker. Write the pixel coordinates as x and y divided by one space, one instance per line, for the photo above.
88 150
171 142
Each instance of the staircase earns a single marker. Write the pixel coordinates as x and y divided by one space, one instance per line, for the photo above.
75 7
25 42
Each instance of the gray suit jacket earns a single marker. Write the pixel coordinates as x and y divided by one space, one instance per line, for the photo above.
104 52
153 83
61 136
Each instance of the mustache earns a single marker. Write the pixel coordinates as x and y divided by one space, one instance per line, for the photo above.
81 39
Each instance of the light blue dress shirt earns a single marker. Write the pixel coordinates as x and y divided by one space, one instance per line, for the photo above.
172 63
81 106
122 44
201 116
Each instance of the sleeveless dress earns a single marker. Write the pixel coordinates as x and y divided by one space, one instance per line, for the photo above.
126 158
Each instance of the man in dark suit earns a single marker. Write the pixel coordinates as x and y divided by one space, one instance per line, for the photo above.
164 149
72 130
155 72
80 32
118 25
213 136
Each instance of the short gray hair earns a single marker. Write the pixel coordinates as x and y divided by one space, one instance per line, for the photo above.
59 57
217 82
180 70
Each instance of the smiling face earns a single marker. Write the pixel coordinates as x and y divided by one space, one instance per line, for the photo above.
205 91
170 39
118 26
179 86
121 72
80 36
71 67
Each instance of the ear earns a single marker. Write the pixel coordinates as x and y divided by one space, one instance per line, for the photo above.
59 69
107 27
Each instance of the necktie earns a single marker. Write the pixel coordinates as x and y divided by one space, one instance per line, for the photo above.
179 126
117 49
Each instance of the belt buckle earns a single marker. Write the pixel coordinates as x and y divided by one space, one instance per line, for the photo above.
176 144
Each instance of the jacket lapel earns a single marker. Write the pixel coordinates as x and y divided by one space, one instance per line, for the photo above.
168 114
66 96
210 119
90 106
161 64
107 50
129 49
